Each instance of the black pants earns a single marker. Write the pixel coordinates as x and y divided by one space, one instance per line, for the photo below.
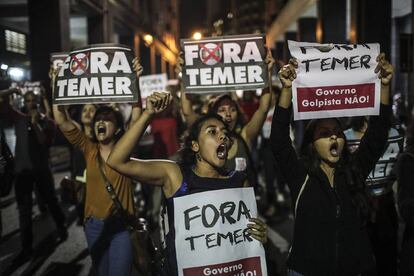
24 187
383 233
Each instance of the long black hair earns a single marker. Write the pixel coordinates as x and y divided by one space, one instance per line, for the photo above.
355 179
187 155
119 121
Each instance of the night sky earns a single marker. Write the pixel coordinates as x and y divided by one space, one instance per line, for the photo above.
193 16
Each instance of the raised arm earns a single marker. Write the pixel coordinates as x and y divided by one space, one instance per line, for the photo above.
136 107
255 125
373 142
281 143
45 102
158 172
62 120
6 110
186 106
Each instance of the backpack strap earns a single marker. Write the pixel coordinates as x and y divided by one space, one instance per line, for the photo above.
300 193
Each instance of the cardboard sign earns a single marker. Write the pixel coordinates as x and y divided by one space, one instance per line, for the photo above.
149 84
214 225
383 173
57 59
335 80
97 74
220 64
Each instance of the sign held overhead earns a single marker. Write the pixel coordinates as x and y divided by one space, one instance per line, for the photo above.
335 80
220 64
99 73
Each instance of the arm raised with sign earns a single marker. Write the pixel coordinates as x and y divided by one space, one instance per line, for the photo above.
374 140
253 127
186 106
136 107
61 117
158 172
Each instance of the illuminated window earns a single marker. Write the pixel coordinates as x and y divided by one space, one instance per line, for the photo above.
15 42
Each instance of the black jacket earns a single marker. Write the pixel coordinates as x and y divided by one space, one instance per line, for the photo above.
405 174
329 238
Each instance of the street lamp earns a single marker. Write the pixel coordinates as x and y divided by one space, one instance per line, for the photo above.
197 35
148 39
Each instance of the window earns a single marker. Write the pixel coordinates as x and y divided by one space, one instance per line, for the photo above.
15 42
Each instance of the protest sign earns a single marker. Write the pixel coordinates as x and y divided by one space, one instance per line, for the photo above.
220 64
57 59
99 73
383 172
335 80
149 84
214 225
26 86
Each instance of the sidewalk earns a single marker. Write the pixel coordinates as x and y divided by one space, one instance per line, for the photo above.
68 258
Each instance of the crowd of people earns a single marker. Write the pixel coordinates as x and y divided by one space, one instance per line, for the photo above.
344 223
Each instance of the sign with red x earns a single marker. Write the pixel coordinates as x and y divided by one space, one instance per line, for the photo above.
79 63
221 64
100 73
57 59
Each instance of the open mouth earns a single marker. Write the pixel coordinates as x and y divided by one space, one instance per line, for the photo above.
333 149
101 129
222 151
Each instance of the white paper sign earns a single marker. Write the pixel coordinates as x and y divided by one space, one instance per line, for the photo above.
335 80
150 83
211 237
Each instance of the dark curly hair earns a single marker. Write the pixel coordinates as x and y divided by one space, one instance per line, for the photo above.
118 124
187 155
355 179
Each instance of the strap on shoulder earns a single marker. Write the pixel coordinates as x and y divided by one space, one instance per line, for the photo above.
300 192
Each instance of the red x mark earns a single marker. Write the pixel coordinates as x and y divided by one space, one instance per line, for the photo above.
79 63
211 54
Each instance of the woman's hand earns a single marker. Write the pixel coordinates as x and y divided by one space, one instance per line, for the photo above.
270 61
385 69
137 67
179 66
157 102
257 229
287 74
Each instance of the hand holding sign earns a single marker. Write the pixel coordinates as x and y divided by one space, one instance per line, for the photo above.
385 69
179 66
257 229
270 61
287 74
157 102
137 67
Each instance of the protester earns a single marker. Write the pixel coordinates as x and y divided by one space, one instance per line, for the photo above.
202 167
242 135
34 136
328 184
274 181
405 175
106 234
383 225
